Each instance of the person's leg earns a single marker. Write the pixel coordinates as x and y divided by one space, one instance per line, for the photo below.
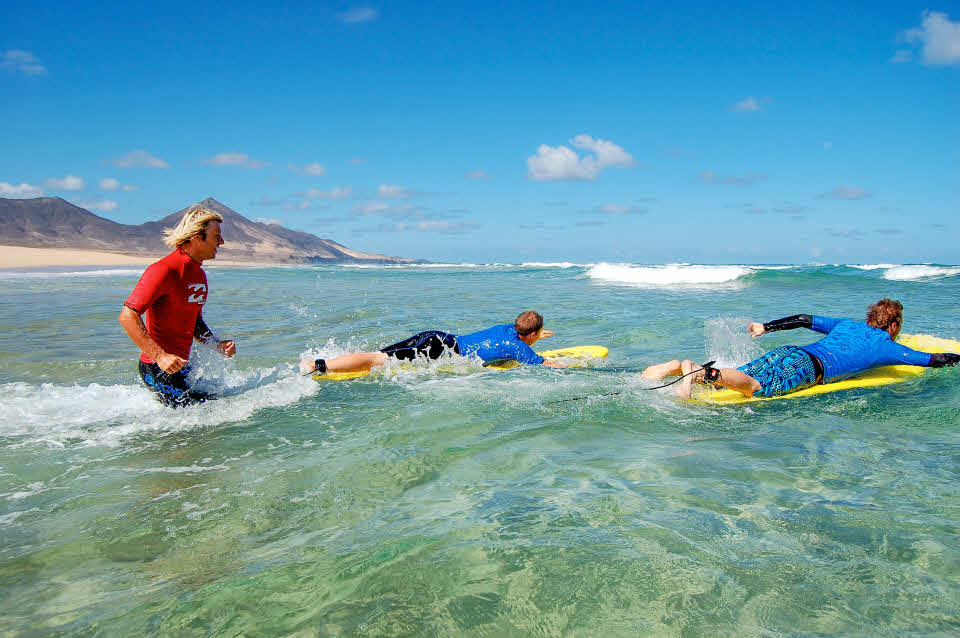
660 370
739 381
356 361
729 378
431 344
171 389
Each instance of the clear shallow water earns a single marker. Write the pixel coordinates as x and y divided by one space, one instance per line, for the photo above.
450 500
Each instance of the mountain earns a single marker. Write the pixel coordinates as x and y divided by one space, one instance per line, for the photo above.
51 222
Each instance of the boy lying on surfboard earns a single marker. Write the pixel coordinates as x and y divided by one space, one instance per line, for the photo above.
507 341
850 347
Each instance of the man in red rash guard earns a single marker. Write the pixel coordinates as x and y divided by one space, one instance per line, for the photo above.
171 294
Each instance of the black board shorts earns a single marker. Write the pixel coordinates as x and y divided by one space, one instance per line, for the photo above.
171 389
430 344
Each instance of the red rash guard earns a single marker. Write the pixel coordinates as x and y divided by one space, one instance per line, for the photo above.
171 292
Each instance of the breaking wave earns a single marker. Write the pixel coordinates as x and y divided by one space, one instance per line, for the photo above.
675 274
914 273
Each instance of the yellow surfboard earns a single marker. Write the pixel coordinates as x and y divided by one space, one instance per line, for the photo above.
877 376
577 356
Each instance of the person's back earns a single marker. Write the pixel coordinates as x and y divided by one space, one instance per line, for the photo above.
498 342
853 346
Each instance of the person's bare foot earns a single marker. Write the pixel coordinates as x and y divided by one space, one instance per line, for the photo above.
686 386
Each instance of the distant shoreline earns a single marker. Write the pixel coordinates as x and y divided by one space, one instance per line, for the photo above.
23 257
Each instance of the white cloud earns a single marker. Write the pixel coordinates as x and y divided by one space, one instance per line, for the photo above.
68 183
478 174
268 221
371 208
846 192
939 36
358 14
297 206
358 160
21 191
608 153
712 178
138 159
314 168
22 61
747 105
341 192
388 191
562 163
234 159
111 184
103 205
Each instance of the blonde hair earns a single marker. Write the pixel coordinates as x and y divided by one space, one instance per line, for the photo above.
885 313
194 223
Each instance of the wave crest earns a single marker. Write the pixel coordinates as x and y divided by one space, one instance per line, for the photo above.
678 274
914 273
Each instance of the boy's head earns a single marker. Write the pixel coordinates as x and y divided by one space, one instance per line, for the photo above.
528 324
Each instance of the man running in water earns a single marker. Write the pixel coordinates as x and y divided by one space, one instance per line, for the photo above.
171 293
850 347
508 341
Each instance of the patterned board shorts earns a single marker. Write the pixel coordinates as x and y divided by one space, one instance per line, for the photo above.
781 371
431 344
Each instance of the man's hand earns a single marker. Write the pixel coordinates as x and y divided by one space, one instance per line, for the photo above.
307 366
170 363
756 329
227 348
551 364
546 333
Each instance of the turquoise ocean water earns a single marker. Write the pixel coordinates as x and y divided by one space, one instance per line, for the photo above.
448 500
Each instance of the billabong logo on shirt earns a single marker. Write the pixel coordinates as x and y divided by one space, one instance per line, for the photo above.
199 295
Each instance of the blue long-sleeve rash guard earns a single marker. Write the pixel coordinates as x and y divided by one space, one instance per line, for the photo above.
498 342
852 346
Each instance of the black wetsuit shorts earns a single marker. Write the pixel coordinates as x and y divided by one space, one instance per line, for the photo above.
430 344
171 389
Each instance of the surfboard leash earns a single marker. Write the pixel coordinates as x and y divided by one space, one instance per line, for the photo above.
705 366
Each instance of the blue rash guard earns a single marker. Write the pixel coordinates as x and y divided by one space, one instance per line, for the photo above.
852 346
498 342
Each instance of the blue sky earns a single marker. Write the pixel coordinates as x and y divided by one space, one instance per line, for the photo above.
747 133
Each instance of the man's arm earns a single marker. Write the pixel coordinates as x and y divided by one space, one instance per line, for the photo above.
132 323
897 353
203 334
786 323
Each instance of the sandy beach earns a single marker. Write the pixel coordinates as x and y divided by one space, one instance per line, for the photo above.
23 257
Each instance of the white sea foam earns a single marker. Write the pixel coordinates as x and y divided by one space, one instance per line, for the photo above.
42 274
914 273
668 275
873 266
94 414
553 264
728 342
495 265
411 266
